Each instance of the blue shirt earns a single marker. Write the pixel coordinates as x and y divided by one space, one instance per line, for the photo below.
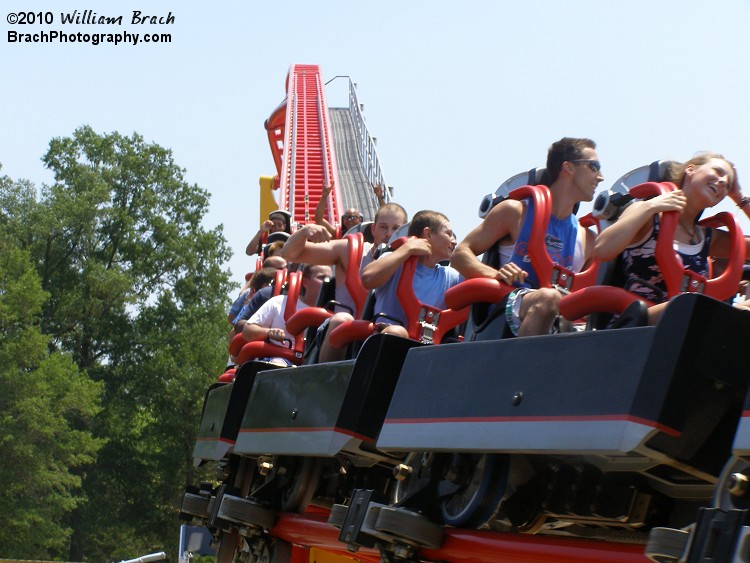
239 303
430 285
560 240
260 297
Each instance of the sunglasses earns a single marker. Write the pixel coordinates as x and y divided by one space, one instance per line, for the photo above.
594 165
351 217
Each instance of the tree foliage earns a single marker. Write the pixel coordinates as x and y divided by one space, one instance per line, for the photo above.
137 298
46 408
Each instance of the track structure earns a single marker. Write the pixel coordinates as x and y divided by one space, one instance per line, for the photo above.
314 146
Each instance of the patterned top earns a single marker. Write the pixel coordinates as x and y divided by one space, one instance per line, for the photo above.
641 272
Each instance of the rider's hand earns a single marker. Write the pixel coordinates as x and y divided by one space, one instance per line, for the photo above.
276 334
511 273
417 247
671 201
317 233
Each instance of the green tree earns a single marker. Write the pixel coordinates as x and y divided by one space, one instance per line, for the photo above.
138 297
46 409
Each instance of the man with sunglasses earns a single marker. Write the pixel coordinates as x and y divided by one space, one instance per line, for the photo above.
575 172
351 217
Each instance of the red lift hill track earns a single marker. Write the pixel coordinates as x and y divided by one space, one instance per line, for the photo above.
315 146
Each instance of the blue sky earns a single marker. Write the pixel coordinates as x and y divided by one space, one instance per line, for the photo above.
459 95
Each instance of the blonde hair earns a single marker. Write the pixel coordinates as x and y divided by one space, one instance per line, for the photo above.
676 170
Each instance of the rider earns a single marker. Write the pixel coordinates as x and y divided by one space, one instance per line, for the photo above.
575 172
351 217
312 244
278 221
704 181
268 322
431 238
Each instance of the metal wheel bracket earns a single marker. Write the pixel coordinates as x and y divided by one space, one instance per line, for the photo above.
352 532
338 515
368 523
401 526
245 513
195 505
719 536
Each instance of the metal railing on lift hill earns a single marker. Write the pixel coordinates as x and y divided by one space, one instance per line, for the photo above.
366 148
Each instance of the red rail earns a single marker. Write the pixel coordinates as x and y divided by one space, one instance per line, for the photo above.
300 137
468 546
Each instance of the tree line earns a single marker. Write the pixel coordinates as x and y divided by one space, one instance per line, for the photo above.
113 299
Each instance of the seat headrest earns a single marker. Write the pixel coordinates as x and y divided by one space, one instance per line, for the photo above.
283 213
365 228
532 177
610 203
278 235
402 231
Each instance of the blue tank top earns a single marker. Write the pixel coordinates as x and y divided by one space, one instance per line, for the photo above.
642 274
560 241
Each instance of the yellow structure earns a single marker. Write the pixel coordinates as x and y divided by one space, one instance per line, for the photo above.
267 201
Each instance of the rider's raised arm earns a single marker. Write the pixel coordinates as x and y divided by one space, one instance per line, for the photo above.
312 244
253 245
320 210
377 273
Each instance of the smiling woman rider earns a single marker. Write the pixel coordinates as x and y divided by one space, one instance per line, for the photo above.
703 182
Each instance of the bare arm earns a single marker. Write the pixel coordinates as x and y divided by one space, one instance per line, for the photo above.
252 331
720 242
721 245
380 271
379 193
252 246
502 223
634 224
312 244
320 210
589 240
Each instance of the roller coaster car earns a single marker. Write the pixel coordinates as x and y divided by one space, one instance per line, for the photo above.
305 432
297 322
557 443
423 323
223 407
529 435
599 299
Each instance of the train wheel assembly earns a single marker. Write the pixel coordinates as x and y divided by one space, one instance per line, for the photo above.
300 481
245 512
228 546
471 488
